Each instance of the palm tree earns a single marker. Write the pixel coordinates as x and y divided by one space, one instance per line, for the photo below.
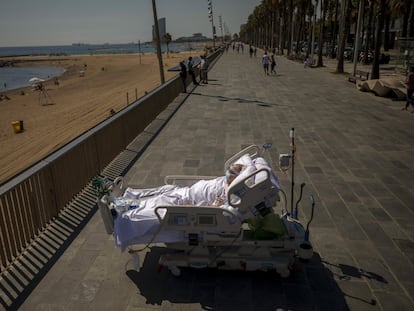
404 9
322 32
375 73
343 33
167 39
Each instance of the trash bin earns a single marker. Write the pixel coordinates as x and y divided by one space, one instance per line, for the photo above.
18 126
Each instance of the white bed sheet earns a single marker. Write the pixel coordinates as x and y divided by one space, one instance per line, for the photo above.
138 226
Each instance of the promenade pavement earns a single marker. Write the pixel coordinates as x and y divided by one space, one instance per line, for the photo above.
355 154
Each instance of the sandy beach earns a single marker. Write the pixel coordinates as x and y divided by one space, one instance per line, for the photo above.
75 105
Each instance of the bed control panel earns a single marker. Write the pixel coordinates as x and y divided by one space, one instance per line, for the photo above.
179 220
197 219
206 220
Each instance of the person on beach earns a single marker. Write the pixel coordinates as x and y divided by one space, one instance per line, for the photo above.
191 70
183 76
266 62
410 89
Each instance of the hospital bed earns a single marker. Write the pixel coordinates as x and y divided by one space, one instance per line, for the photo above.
225 237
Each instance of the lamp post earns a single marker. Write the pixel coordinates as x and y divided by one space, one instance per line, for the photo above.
210 16
139 51
292 30
221 29
158 43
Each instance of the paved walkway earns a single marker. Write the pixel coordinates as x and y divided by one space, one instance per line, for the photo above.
355 154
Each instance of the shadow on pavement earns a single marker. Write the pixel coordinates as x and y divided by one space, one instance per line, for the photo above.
311 286
239 100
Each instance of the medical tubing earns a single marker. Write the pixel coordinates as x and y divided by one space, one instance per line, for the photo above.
302 185
311 218
284 200
132 251
292 137
227 247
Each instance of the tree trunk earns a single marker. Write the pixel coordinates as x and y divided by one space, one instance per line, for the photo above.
411 21
334 51
344 30
321 34
375 72
291 11
387 21
369 31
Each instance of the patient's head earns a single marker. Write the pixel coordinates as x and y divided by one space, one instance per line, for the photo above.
232 172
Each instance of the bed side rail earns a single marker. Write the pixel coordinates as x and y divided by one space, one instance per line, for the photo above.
251 192
199 219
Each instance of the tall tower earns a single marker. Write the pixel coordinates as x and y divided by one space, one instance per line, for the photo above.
162 28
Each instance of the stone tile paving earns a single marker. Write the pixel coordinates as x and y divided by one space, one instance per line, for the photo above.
354 152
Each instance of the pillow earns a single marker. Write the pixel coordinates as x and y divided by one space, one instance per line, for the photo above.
244 160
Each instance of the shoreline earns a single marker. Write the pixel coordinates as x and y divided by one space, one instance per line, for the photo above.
76 104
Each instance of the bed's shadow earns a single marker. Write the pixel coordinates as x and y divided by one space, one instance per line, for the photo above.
310 287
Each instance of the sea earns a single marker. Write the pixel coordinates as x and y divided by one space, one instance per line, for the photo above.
17 77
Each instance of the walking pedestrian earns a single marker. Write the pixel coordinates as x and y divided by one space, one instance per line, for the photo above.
191 70
204 69
266 62
410 89
183 76
272 64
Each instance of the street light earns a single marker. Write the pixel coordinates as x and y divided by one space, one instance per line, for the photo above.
210 16
158 43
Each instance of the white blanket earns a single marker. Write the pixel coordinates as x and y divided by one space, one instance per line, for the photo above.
140 224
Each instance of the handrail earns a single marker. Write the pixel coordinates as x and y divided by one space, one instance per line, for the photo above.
31 200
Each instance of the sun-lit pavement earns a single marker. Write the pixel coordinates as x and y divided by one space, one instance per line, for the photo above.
354 152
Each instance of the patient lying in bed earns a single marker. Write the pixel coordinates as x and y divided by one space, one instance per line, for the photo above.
139 224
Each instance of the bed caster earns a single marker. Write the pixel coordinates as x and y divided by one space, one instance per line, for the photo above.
305 251
135 260
284 273
175 271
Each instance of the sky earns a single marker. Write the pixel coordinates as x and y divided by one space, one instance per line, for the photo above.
62 22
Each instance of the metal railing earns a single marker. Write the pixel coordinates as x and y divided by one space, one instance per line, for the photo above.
30 201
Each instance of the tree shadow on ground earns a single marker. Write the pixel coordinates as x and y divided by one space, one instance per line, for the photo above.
239 100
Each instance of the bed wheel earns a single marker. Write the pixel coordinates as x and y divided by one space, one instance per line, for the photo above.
135 260
175 271
284 273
